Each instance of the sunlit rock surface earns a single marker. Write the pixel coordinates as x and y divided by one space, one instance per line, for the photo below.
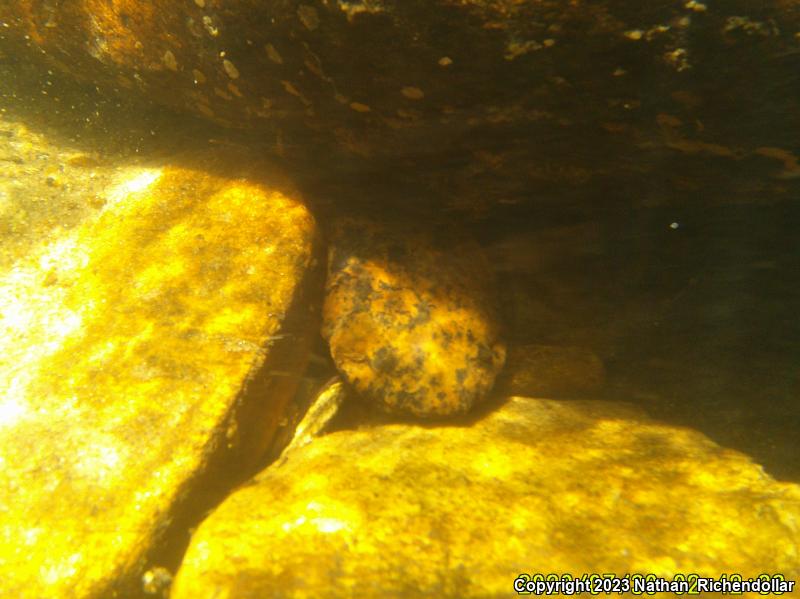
460 511
39 197
410 318
142 351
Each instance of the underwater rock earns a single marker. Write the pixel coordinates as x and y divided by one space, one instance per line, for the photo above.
409 318
145 352
461 511
505 90
319 414
550 371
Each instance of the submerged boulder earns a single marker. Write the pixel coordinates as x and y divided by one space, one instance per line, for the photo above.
410 318
536 486
142 361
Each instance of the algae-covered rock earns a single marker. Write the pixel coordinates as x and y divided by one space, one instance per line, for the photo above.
142 352
536 486
410 318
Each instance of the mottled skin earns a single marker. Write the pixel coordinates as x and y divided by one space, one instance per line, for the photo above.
409 318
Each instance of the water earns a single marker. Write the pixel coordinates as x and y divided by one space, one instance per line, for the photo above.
674 260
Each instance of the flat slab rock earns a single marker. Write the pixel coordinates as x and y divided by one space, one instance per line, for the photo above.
135 357
462 510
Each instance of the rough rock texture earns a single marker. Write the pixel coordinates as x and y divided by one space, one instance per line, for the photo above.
535 486
550 371
141 356
553 101
409 318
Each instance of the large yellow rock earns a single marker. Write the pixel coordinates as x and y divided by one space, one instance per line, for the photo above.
147 349
410 318
461 511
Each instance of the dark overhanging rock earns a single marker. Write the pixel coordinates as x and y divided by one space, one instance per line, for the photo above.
524 105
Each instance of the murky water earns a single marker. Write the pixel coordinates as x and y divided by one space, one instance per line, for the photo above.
684 285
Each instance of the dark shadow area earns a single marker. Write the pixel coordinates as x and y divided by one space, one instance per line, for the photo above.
716 342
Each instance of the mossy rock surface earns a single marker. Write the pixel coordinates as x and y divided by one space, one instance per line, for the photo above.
143 365
532 486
